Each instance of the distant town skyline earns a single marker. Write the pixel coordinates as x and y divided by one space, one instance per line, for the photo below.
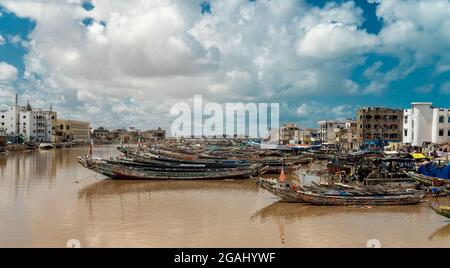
121 65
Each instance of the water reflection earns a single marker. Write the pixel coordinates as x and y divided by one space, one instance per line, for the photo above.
294 212
110 188
443 232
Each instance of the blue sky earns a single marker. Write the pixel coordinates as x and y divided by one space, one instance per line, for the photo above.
122 64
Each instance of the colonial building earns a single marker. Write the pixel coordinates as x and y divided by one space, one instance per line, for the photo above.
328 129
36 125
379 124
425 124
73 130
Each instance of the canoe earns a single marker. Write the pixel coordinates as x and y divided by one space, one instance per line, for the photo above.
46 146
338 200
281 190
441 209
122 172
427 180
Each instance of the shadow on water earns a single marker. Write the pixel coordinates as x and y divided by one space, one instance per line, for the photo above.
443 232
110 188
293 211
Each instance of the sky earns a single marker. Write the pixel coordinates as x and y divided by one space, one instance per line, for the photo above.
126 63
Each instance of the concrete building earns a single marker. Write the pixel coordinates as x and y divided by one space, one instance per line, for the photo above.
307 136
289 134
73 130
328 129
155 134
425 124
100 133
347 137
35 125
376 123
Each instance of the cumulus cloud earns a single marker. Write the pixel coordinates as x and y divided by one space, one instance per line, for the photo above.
335 41
136 58
2 40
8 72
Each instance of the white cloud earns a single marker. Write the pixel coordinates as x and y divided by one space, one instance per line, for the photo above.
139 57
8 72
2 40
335 41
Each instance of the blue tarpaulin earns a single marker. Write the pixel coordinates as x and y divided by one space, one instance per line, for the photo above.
434 171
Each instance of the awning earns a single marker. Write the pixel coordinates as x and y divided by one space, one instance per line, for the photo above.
418 156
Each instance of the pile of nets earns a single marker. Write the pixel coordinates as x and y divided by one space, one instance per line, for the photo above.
434 171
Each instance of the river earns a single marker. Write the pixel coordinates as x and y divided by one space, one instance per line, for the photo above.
47 198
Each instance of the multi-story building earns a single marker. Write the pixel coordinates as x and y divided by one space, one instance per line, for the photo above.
289 133
73 130
38 125
379 124
328 129
34 125
347 137
425 124
9 120
155 134
307 136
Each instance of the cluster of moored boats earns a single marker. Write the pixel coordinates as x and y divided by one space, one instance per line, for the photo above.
349 182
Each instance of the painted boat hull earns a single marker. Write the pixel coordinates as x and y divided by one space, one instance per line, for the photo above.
287 194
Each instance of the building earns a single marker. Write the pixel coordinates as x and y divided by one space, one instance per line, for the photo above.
347 137
328 129
376 123
27 124
289 133
425 124
73 130
101 134
307 136
156 134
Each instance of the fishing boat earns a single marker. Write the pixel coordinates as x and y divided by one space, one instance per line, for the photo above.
125 172
427 180
349 200
441 209
281 190
46 146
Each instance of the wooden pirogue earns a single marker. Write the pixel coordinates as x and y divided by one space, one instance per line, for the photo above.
316 198
275 164
427 180
333 195
281 190
127 172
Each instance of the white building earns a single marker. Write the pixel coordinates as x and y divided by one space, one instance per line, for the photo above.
33 125
9 121
327 130
424 123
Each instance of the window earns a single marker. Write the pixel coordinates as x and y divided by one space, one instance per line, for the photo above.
61 127
406 133
4 117
449 119
68 127
441 119
406 120
441 133
448 134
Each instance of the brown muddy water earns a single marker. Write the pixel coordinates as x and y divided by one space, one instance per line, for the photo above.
42 205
